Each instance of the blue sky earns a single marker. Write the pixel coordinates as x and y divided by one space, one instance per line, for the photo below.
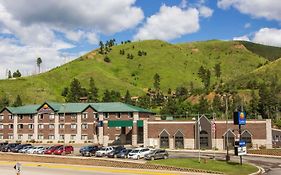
61 30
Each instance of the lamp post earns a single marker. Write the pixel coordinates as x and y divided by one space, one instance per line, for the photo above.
227 158
64 125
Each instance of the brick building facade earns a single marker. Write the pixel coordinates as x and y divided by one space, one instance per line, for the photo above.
119 123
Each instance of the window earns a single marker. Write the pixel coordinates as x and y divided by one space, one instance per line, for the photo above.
40 137
1 126
85 116
72 137
61 116
96 115
20 126
1 117
30 126
61 126
30 136
41 116
51 126
20 117
106 115
131 115
20 136
10 137
73 126
119 115
31 117
11 126
84 137
41 126
61 137
11 117
51 137
73 116
118 128
1 137
84 126
51 117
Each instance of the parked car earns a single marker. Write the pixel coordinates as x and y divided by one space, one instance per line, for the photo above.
113 154
138 153
25 149
89 150
42 150
8 147
34 150
156 154
64 150
19 147
104 151
3 144
52 149
124 153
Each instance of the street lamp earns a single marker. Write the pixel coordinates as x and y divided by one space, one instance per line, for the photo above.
227 158
63 147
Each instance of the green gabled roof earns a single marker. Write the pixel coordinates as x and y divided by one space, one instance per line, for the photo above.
28 109
78 107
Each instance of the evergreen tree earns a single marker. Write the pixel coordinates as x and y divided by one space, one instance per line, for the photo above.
18 101
106 96
169 91
181 92
254 104
64 92
4 101
170 108
127 98
203 105
75 92
93 92
101 47
218 70
217 104
17 74
115 96
39 62
144 101
9 74
156 83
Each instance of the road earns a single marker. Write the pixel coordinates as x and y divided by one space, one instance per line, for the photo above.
6 168
272 166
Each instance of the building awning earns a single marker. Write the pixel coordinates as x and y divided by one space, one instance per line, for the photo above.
124 123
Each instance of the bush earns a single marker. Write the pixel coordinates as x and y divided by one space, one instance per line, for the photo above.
262 147
107 59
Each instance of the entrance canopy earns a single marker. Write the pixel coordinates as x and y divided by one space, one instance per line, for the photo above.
124 123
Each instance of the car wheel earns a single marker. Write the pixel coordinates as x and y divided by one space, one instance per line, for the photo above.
165 157
138 157
103 155
90 154
152 158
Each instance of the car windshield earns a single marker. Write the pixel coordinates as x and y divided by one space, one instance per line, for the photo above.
135 151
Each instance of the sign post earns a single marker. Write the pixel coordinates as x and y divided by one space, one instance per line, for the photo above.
240 146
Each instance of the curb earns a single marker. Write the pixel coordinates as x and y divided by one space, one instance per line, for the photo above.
260 171
264 155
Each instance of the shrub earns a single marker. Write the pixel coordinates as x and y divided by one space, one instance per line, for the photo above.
107 59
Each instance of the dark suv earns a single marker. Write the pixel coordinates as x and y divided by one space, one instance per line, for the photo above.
89 151
156 154
117 150
19 147
9 147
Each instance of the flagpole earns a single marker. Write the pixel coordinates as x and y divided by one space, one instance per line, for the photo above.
198 137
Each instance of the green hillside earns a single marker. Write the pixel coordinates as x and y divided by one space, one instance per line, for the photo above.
177 65
269 52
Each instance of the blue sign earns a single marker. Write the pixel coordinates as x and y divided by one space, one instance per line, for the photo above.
242 143
242 118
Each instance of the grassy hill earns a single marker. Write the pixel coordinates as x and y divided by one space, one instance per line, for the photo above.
177 64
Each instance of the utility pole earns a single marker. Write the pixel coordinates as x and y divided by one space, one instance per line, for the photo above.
198 137
227 158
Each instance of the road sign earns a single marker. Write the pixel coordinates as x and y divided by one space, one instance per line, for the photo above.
241 151
239 118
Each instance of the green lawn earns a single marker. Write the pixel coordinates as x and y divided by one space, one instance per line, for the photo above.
230 168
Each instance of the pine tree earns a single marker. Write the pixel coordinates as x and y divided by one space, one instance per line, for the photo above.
18 101
203 105
218 70
106 96
4 101
93 92
9 74
115 96
101 47
39 62
217 104
127 98
156 83
75 92
64 92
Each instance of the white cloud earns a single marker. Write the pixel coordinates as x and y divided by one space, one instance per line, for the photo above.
205 11
268 36
74 35
242 38
92 38
269 9
247 25
183 4
169 23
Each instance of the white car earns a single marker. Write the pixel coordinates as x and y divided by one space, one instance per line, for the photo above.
42 150
25 149
138 153
34 150
104 151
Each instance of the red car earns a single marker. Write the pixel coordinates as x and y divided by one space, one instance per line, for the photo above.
52 149
64 150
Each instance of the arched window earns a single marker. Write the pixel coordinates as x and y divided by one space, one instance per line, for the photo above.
247 137
204 139
164 139
231 139
179 140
